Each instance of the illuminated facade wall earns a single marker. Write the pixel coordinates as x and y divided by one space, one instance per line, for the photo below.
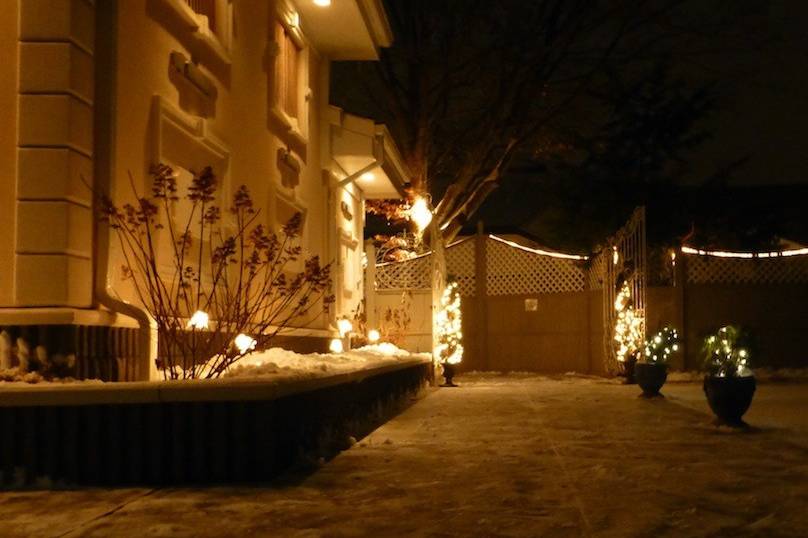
243 88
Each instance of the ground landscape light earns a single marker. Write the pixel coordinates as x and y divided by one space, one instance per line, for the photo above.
199 320
373 336
335 346
345 326
244 343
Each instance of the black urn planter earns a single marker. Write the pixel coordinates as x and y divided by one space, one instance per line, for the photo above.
448 375
651 376
629 369
729 397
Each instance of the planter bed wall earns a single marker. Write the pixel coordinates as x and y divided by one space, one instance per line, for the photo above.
213 432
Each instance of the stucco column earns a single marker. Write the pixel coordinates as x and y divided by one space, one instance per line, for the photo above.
53 250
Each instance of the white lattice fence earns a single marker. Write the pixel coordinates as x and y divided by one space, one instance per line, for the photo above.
515 271
409 274
460 265
715 270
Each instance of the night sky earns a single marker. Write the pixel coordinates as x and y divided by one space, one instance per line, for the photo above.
746 183
758 129
764 108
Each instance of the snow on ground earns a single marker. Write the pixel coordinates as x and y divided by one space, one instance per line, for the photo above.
281 363
274 364
499 456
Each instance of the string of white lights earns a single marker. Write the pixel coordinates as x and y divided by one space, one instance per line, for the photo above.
539 251
746 255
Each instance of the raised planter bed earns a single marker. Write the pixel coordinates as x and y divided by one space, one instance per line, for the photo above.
228 430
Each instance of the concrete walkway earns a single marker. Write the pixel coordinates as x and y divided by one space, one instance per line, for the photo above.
498 456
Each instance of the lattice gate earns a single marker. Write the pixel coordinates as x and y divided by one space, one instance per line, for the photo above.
625 261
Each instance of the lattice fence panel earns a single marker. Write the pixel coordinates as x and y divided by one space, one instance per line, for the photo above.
513 271
714 270
461 265
408 274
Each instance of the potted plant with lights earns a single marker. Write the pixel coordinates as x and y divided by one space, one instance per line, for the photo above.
449 351
652 370
729 384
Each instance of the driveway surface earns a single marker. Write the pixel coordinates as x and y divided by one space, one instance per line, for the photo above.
498 456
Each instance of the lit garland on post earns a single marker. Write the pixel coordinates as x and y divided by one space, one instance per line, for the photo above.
449 350
628 327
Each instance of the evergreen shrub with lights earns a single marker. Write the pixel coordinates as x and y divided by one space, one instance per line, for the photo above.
659 348
449 350
726 353
219 284
652 370
628 331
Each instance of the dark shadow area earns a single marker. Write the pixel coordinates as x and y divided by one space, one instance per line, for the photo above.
197 442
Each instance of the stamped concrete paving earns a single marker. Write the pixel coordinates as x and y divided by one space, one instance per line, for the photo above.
516 456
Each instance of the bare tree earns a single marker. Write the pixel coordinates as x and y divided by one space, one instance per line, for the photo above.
471 85
219 287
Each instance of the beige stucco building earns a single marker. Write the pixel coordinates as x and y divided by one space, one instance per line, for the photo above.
92 92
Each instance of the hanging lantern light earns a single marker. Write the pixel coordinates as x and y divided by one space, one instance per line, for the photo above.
420 213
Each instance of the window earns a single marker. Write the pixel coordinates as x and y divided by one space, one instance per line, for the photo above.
287 72
289 79
210 21
205 8
184 142
285 208
349 264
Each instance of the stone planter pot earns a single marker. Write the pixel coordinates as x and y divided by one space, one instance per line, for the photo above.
729 397
448 375
651 376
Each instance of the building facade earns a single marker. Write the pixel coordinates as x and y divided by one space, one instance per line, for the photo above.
94 93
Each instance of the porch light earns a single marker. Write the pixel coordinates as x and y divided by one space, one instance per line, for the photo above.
199 320
345 326
322 3
373 336
294 19
244 343
335 346
368 176
420 213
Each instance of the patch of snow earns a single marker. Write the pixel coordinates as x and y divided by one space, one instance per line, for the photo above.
278 362
17 376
